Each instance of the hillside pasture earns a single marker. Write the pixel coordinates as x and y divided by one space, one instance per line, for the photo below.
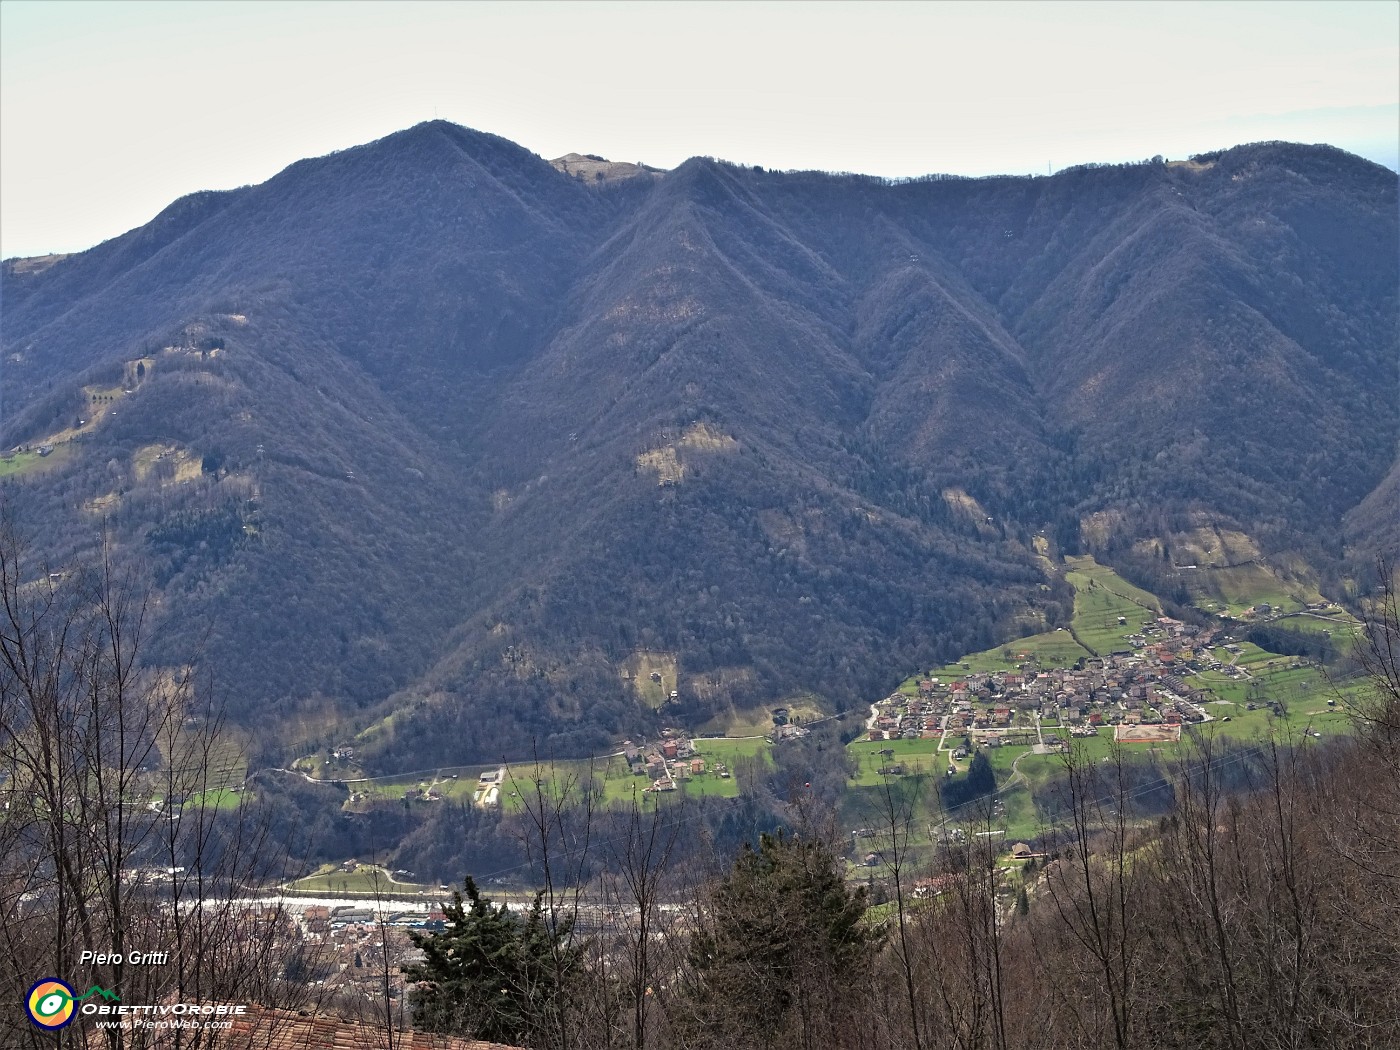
1048 649
27 463
1101 598
915 756
639 668
731 721
1341 627
619 786
1236 588
211 774
17 463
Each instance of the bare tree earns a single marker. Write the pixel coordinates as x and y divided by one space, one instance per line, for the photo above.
898 806
969 982
1091 891
113 839
559 813
636 881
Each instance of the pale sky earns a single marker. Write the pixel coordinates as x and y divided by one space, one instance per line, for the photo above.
111 110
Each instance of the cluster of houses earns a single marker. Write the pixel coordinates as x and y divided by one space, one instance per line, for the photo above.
1141 685
671 759
349 946
329 920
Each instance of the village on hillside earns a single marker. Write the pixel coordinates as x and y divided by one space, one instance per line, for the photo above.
1168 674
1141 692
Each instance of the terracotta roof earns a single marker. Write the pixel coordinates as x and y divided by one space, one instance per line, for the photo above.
268 1029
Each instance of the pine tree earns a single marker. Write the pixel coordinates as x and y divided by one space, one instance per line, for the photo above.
490 975
981 779
783 935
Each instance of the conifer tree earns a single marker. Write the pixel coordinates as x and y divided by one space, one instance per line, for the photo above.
490 974
783 939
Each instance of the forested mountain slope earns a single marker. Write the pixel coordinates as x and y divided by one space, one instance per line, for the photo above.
431 427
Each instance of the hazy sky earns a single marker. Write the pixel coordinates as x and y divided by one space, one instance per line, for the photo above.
110 110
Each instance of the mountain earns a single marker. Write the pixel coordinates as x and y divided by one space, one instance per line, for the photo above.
438 442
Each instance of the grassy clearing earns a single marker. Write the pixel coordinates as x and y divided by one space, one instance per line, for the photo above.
1101 598
621 787
180 463
1086 566
1240 587
1229 575
729 753
864 805
710 785
103 504
453 782
664 463
728 750
1341 627
1020 815
24 463
1261 723
215 773
704 438
802 707
556 781
959 500
1257 660
314 765
758 721
566 780
228 763
1303 690
916 756
639 668
365 880
17 463
220 799
1051 649
1003 758
910 686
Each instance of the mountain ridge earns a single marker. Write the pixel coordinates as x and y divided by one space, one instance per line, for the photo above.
472 430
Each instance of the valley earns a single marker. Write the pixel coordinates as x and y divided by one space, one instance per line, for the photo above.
950 582
1122 681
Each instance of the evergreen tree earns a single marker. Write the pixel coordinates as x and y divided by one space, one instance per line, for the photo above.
979 781
490 975
783 936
